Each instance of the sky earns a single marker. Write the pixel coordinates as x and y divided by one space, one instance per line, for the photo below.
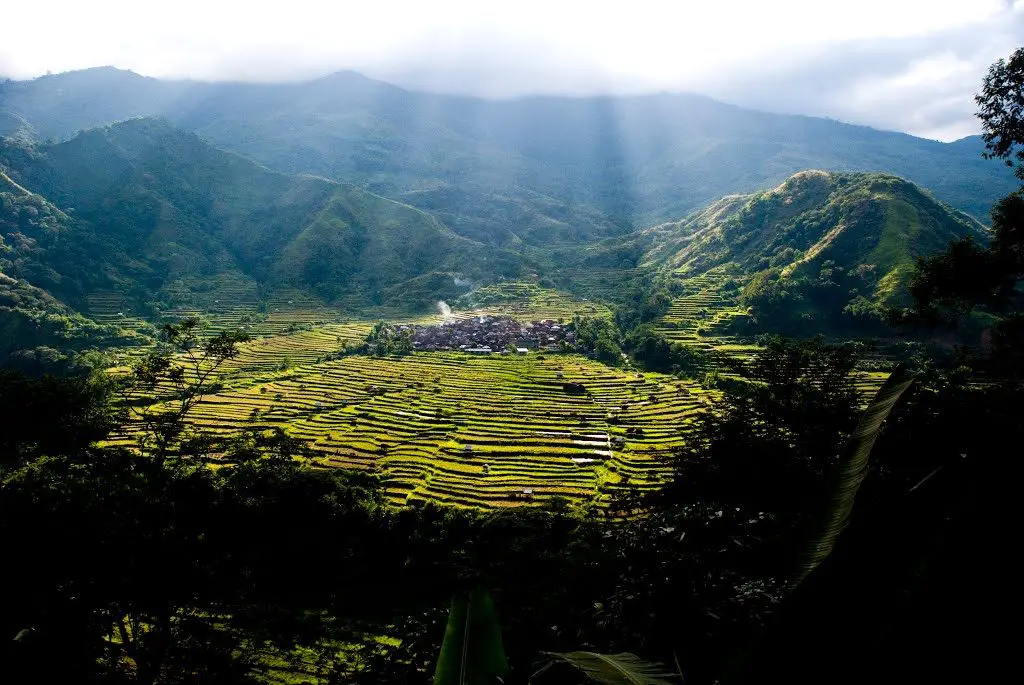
906 65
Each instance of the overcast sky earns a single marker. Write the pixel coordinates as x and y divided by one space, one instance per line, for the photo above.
908 65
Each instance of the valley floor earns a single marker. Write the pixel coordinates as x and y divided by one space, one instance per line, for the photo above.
488 431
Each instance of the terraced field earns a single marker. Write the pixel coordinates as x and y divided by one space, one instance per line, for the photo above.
483 431
701 315
285 310
488 431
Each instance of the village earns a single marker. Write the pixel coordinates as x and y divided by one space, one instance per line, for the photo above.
491 334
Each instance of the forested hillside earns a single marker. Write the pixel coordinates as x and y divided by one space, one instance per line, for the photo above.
146 206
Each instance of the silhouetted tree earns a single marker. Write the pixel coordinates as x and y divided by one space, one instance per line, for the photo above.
950 285
1001 110
165 385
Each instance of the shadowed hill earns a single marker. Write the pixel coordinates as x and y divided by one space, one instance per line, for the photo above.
148 205
35 327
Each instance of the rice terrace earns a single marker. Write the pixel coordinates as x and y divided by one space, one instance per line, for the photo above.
477 427
490 430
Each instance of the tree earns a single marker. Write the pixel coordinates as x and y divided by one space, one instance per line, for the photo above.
600 336
655 352
1001 110
385 339
164 386
949 286
747 480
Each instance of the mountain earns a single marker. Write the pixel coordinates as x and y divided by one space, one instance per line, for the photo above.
149 210
541 171
155 217
820 251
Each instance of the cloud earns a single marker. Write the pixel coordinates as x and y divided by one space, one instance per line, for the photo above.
902 64
923 85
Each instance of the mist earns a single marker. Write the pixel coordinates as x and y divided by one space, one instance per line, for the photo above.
912 71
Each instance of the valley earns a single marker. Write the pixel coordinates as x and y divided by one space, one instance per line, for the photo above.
332 381
306 267
483 430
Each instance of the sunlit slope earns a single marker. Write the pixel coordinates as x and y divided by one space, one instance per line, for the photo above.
822 248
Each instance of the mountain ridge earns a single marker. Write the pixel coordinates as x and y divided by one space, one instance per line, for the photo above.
519 168
353 76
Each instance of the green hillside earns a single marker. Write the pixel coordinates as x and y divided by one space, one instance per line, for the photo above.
155 214
820 251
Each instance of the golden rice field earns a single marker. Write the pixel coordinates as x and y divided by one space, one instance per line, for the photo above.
479 431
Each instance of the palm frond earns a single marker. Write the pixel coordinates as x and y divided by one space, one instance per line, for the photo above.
472 653
615 669
850 472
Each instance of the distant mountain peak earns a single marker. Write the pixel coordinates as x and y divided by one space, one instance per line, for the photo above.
347 75
107 73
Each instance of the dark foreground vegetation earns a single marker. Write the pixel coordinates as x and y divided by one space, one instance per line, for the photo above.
142 568
152 566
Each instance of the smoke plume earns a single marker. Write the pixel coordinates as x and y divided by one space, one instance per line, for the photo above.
444 310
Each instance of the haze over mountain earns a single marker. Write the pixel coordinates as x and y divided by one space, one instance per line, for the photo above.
538 170
153 205
908 66
152 212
